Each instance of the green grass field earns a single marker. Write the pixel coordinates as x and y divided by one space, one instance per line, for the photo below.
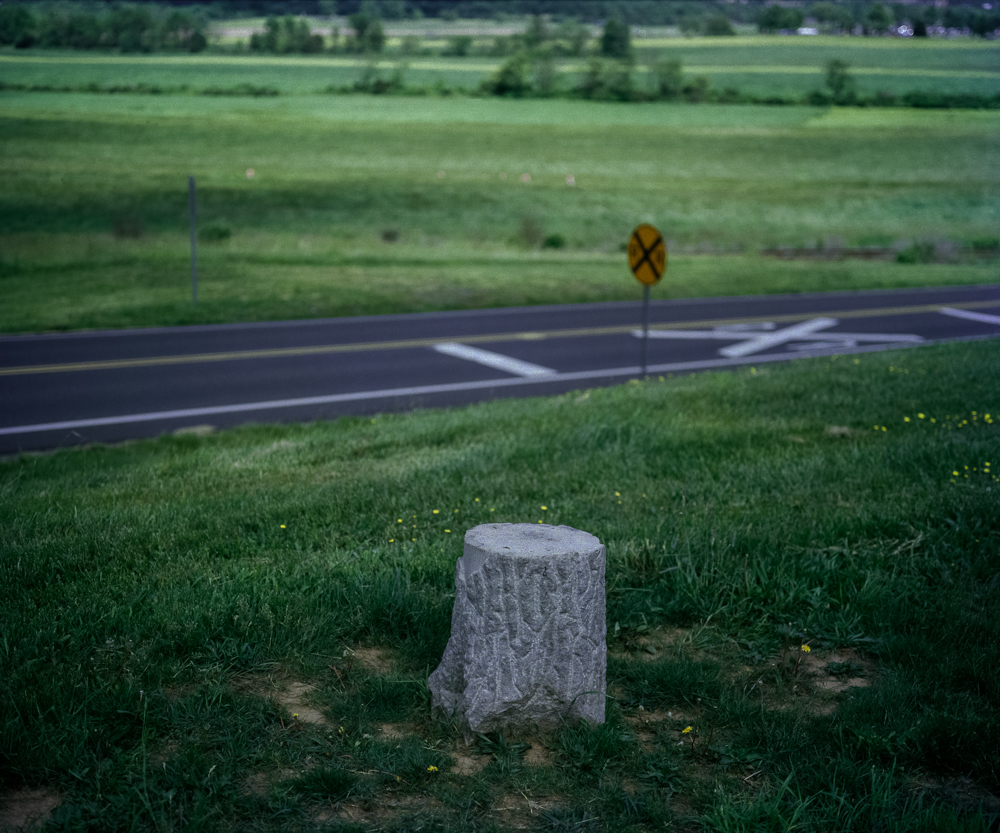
232 632
365 204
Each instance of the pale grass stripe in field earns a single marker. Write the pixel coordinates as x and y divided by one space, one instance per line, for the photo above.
779 69
355 347
464 66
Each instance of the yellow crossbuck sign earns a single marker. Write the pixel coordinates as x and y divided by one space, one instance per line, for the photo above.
647 255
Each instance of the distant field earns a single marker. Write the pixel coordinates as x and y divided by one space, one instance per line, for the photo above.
758 65
362 204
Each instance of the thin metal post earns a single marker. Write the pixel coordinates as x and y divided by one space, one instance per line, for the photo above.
645 326
194 254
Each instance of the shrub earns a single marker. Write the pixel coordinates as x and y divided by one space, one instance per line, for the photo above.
128 224
669 79
616 40
197 43
17 25
719 26
607 81
879 18
459 46
779 18
214 232
512 77
917 253
840 82
696 90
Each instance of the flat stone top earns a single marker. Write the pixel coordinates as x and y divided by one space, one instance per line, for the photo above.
538 540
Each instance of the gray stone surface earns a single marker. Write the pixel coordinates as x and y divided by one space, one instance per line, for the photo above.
528 642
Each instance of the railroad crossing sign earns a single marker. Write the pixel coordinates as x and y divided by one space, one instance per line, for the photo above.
647 255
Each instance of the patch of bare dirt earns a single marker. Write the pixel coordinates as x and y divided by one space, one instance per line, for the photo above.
468 762
373 660
652 645
538 755
378 812
164 753
960 791
838 671
518 809
648 723
195 431
27 809
826 675
260 782
346 811
295 699
396 731
819 680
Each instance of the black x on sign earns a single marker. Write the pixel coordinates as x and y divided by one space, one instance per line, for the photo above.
647 254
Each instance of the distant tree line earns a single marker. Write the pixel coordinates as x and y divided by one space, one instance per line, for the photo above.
878 18
147 27
708 17
129 28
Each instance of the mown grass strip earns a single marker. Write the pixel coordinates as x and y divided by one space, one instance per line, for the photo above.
463 65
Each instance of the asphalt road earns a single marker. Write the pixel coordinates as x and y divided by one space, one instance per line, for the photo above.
69 389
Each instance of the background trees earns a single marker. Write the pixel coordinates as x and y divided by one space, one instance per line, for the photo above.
779 18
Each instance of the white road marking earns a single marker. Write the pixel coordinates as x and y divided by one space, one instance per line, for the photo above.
391 393
765 335
765 340
971 316
497 361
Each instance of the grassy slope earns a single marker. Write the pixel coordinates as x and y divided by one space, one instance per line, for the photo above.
334 173
156 597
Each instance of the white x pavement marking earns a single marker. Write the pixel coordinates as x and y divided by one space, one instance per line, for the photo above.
754 338
971 316
488 358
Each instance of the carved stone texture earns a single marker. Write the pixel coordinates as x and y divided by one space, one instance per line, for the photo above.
528 642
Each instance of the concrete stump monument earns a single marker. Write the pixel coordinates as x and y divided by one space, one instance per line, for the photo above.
528 642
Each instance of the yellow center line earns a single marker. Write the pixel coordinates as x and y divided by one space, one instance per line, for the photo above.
402 344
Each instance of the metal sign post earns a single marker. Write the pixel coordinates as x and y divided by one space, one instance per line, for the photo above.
647 258
194 256
645 328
